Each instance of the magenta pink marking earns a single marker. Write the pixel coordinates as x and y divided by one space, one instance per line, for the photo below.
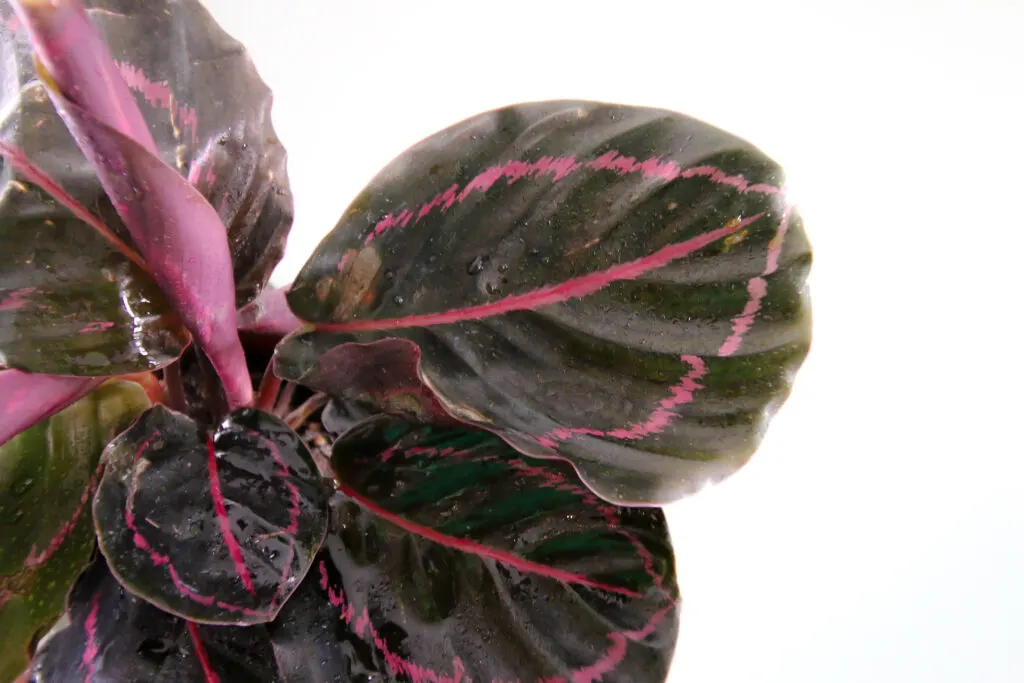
220 508
67 527
158 95
48 184
479 549
681 394
616 651
97 326
397 664
561 167
610 659
294 510
204 660
161 560
12 23
552 294
345 259
17 299
91 646
757 288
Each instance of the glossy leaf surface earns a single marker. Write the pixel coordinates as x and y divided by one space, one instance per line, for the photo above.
451 557
219 528
206 108
114 637
69 302
619 286
47 476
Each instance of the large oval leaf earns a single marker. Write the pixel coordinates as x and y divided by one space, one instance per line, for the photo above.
452 558
219 528
47 476
114 637
207 110
619 286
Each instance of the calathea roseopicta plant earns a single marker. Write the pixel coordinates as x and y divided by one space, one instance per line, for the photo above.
529 331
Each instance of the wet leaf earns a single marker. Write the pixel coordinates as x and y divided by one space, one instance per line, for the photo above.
618 286
219 528
451 557
114 637
47 476
205 107
70 303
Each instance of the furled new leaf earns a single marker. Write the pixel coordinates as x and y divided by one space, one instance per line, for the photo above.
450 557
205 107
114 637
47 476
216 527
619 286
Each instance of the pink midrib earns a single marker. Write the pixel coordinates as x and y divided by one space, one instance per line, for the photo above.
220 509
479 549
552 294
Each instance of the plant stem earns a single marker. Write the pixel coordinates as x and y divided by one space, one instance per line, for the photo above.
270 385
175 387
300 414
284 400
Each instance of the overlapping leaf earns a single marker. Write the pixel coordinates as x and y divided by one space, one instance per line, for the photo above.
452 558
619 286
219 528
114 637
205 107
47 477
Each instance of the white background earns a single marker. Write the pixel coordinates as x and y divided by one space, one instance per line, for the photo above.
878 535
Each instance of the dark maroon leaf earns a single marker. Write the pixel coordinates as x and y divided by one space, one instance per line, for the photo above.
114 637
619 286
452 558
381 373
206 109
218 528
26 399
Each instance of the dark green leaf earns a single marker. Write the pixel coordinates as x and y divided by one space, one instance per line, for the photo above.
218 528
114 637
452 558
619 286
47 476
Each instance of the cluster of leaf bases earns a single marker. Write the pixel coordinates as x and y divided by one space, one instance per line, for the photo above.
527 333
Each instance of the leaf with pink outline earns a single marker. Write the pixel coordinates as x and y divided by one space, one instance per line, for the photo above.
217 527
618 286
452 558
47 476
114 637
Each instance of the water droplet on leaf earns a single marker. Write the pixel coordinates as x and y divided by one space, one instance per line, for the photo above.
476 265
398 300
